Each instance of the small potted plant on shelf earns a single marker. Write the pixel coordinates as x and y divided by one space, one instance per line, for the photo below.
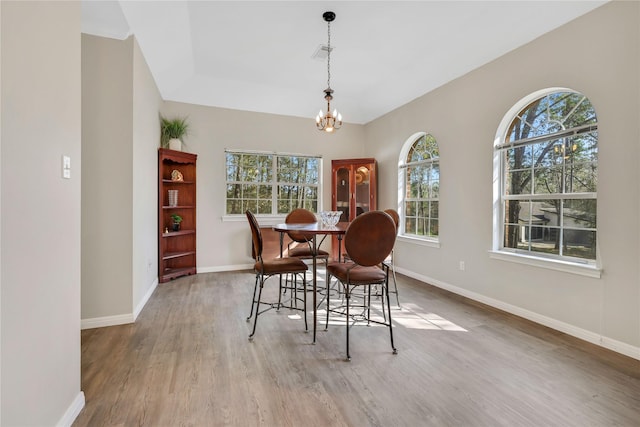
172 131
177 219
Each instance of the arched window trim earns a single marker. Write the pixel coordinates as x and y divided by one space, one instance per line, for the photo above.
590 269
402 162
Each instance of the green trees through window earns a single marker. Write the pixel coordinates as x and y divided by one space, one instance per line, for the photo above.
421 178
269 183
549 163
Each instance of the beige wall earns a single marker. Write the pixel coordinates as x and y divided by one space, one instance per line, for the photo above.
146 137
226 245
598 55
120 133
107 191
40 228
0 216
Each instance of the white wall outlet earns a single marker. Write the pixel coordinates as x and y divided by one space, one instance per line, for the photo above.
461 266
66 167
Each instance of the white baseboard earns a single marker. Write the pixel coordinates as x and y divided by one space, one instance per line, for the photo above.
145 299
620 347
225 268
101 322
583 334
120 319
123 319
72 412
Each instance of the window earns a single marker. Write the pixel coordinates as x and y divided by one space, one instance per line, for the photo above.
271 183
546 160
419 178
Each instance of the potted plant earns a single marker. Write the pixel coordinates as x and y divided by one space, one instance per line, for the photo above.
172 131
177 219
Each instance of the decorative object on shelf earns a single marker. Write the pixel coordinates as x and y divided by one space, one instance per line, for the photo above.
329 121
177 219
166 230
176 175
173 198
172 131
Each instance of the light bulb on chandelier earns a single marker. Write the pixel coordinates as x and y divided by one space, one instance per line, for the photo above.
328 121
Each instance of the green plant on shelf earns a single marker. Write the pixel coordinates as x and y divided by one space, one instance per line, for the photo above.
177 219
172 129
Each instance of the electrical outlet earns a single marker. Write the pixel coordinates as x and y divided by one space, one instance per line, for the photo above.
461 266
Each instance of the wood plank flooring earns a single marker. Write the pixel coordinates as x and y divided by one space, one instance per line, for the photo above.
187 362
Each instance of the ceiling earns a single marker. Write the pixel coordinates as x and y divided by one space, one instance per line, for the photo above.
257 55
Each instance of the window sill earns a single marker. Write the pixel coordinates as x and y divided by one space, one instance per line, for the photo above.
417 241
585 269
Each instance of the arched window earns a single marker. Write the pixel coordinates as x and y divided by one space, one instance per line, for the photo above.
419 189
545 170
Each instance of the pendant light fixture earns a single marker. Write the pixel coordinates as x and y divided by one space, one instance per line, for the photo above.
328 121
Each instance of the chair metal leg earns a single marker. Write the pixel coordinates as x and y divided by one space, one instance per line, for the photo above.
386 289
253 299
368 302
280 292
294 294
386 270
326 323
395 282
304 298
347 296
255 320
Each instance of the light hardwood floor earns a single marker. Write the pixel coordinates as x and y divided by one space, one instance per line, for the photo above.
187 361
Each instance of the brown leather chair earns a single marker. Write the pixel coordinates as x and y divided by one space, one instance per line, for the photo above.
304 247
388 263
301 246
266 268
368 240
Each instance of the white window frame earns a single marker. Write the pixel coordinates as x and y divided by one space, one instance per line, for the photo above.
581 267
273 218
402 191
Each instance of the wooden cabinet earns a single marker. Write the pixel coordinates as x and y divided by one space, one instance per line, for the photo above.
354 188
176 245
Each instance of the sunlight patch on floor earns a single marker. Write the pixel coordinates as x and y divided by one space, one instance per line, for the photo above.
409 316
413 316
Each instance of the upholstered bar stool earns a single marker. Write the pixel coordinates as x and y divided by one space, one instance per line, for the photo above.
304 247
368 241
301 246
266 268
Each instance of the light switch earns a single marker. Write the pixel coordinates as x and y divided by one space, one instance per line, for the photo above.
66 167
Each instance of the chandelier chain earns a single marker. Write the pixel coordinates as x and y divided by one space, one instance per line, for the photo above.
329 54
328 121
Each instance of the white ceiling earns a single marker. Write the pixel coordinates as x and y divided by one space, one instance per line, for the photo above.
257 55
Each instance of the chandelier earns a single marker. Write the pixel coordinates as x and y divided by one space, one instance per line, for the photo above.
328 121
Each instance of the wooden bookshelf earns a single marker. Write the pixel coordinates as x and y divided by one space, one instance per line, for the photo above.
176 249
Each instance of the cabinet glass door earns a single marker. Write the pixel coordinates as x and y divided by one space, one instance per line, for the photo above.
363 190
342 193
